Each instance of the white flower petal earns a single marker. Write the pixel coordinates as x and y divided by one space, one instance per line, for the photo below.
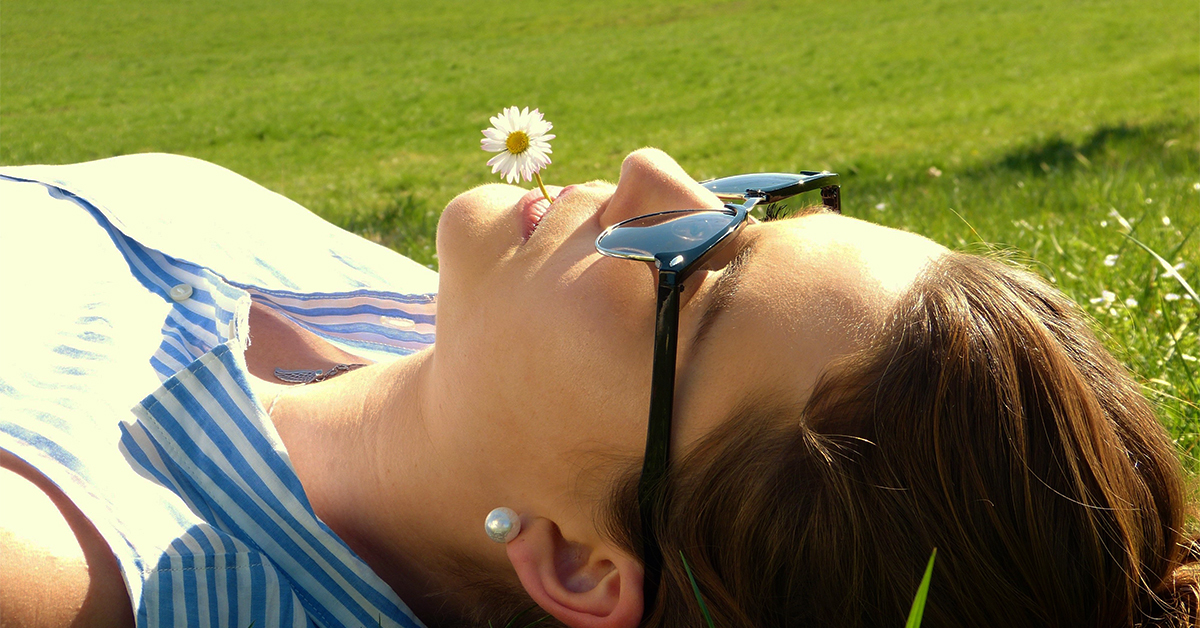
540 127
515 169
499 162
515 118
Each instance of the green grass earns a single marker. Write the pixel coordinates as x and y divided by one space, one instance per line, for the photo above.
1062 130
918 607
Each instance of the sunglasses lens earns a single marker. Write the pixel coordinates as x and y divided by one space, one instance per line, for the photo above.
643 238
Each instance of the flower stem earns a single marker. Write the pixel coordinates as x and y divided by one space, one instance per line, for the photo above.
541 185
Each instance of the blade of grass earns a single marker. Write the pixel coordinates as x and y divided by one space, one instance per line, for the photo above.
696 590
918 606
1167 267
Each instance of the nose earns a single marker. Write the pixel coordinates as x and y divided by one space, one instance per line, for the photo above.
652 182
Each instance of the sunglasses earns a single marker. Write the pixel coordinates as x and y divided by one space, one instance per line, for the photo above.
677 243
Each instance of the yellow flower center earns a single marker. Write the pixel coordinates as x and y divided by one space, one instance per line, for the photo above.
517 142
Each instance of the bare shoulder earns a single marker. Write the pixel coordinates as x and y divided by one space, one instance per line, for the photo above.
55 568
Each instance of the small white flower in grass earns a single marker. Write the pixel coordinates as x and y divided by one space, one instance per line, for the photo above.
1170 296
1166 221
522 137
1111 259
1131 302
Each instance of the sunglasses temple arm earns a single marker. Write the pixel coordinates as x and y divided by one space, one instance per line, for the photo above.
658 433
831 197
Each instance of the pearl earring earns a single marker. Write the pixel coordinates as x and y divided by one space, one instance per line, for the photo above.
502 525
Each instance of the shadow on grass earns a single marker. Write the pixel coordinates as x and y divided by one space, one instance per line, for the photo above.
1172 144
1106 144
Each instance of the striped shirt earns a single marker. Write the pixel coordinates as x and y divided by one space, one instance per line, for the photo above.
126 292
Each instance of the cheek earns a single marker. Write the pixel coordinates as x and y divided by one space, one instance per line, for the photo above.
586 349
602 320
612 302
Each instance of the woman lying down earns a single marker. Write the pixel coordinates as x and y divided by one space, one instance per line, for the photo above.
219 410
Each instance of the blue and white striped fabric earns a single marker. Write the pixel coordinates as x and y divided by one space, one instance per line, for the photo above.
127 284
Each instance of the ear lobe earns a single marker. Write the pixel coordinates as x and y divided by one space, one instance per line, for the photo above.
581 586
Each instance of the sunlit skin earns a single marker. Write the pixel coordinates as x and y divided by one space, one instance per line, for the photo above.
537 389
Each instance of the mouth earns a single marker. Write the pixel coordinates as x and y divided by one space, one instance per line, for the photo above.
532 208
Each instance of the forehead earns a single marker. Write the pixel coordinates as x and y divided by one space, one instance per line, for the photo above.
864 266
814 288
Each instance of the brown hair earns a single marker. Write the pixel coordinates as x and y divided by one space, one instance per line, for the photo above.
985 420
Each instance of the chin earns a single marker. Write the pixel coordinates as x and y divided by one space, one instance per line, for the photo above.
476 215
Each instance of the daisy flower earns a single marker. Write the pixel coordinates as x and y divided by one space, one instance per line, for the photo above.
522 138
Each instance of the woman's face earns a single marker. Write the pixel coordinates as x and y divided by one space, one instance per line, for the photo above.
545 346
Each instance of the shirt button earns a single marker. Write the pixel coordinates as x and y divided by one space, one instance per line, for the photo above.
181 292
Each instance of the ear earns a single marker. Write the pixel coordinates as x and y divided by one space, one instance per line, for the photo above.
581 586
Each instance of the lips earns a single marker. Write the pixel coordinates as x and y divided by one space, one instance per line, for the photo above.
532 208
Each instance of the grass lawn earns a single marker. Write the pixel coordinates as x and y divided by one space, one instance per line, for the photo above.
1068 133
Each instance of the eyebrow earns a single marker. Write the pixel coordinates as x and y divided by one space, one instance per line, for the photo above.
727 286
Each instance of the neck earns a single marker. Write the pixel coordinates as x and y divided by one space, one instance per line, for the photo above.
363 449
